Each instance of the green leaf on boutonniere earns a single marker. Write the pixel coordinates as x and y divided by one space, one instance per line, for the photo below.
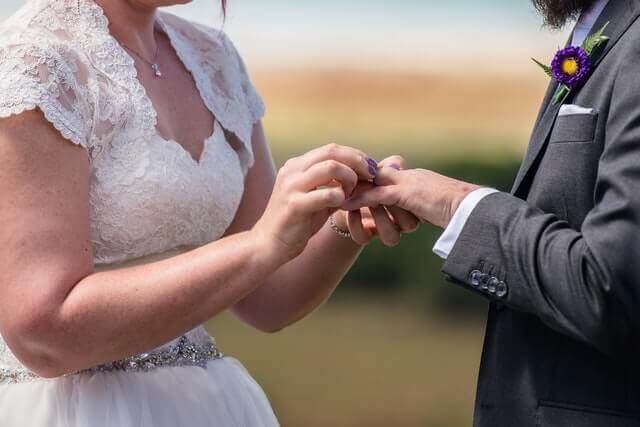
595 40
545 68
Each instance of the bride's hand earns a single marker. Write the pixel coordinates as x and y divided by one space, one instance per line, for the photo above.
386 222
298 208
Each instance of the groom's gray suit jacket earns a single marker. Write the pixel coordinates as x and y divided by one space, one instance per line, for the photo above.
562 345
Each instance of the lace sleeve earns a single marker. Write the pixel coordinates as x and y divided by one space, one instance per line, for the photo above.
48 78
252 97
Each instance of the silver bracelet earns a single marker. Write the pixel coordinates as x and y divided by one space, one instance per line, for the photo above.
334 227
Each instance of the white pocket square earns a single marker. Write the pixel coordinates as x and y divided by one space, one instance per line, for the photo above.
571 110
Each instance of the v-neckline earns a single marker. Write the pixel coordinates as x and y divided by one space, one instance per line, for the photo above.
153 123
205 144
187 66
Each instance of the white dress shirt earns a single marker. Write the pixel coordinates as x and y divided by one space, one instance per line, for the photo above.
447 240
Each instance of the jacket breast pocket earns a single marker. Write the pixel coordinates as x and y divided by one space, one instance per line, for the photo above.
574 128
558 414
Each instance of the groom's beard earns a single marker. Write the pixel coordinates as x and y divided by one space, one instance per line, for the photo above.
557 13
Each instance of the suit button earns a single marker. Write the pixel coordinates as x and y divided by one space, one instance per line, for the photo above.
475 277
484 282
502 290
492 286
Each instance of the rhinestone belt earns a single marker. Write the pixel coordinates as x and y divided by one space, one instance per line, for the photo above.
183 353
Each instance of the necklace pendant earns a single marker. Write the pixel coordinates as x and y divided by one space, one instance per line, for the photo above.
156 70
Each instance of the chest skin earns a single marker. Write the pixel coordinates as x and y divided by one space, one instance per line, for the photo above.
182 116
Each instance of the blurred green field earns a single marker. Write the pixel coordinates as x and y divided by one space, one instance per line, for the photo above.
361 361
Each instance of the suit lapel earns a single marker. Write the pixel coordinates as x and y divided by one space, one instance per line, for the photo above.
620 14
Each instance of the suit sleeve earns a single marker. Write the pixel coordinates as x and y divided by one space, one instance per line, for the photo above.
448 238
583 283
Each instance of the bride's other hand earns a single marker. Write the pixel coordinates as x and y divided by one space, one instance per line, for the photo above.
307 190
386 222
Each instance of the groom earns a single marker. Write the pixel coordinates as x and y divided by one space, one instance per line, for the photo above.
559 256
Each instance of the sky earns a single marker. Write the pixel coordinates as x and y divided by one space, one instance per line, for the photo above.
415 35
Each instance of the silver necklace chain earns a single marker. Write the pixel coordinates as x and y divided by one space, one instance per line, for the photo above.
153 64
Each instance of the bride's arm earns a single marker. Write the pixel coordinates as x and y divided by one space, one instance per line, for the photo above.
303 284
58 315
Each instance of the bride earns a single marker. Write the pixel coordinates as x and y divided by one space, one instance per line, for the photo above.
139 199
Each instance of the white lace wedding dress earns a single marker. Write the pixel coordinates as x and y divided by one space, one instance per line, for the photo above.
149 199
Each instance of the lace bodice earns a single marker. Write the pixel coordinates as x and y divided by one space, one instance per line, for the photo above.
148 195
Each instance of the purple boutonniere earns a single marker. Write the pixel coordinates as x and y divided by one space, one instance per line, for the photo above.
572 65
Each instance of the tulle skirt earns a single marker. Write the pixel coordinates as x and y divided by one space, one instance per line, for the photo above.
221 395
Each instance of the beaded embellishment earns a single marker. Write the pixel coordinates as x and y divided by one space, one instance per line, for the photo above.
184 353
16 376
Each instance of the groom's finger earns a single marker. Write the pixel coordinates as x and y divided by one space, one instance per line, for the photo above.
387 175
374 197
396 162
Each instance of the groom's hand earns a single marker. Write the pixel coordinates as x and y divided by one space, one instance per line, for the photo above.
431 197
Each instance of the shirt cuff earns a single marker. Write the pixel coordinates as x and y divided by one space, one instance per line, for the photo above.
445 243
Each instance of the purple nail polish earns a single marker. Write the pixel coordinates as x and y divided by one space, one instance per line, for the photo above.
373 166
395 166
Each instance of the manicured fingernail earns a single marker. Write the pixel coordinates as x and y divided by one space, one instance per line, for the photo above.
395 166
373 166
